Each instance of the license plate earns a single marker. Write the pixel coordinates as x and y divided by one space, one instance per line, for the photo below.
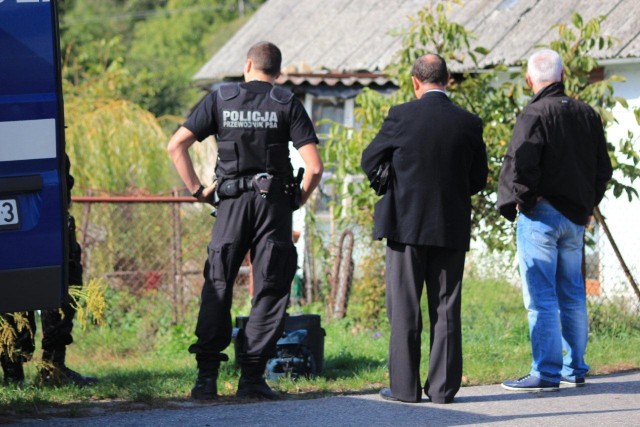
9 217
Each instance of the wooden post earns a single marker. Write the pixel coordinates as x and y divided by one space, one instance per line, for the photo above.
176 240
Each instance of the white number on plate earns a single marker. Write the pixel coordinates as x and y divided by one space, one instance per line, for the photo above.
8 212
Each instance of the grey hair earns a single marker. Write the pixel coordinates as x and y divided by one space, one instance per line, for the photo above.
545 66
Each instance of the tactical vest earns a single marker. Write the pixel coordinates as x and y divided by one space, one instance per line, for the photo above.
253 132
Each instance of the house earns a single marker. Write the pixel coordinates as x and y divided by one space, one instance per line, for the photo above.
334 48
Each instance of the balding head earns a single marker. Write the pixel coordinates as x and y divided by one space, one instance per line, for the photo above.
431 68
544 67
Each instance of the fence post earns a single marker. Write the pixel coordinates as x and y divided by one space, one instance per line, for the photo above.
177 260
86 251
308 264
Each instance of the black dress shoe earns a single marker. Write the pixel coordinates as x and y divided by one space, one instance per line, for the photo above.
446 400
386 394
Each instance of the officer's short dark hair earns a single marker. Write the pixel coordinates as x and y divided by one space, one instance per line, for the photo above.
431 68
266 57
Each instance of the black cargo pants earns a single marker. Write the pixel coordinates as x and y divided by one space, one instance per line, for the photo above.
57 324
262 226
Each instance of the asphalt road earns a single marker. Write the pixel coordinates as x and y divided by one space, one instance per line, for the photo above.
607 400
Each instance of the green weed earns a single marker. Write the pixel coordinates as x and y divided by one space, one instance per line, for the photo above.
141 356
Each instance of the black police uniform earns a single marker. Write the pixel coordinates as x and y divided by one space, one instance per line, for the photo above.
253 123
57 324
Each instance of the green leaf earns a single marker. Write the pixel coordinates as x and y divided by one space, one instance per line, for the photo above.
622 101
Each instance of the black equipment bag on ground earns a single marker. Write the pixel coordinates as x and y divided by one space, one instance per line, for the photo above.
295 348
293 358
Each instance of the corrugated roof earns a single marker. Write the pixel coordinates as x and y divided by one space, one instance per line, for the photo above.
321 39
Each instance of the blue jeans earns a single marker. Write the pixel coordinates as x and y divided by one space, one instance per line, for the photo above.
550 257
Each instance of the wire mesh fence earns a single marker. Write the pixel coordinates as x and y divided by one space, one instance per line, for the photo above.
611 270
145 244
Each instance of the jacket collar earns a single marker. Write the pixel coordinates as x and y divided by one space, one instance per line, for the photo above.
554 89
434 94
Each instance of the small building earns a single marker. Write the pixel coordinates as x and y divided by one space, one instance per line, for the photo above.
334 48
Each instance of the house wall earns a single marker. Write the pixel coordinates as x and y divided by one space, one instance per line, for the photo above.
621 215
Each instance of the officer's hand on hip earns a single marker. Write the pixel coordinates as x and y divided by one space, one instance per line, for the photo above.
207 193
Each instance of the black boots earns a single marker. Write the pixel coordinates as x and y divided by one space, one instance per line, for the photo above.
12 369
206 387
55 373
252 384
255 389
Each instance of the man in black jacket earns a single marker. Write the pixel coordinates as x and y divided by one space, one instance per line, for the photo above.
554 173
439 161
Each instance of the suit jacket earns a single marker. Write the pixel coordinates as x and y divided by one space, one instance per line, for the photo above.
439 161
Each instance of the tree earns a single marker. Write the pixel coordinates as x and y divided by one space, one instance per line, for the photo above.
158 44
113 143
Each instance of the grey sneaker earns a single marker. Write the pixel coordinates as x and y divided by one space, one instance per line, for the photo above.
572 382
530 383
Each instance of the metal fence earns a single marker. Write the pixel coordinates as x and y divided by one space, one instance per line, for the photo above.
146 244
611 270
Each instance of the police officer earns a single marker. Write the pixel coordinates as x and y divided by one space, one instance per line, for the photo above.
56 327
256 194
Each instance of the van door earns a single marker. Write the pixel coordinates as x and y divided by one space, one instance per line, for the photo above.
33 201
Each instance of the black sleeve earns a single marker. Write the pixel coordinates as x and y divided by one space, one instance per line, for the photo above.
479 166
381 148
202 120
520 174
301 131
604 171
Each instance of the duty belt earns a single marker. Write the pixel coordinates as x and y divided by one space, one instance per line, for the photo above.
261 183
233 187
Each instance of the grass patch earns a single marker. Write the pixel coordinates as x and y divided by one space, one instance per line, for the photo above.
142 359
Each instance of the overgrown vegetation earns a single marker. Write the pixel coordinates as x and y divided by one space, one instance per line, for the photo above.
141 357
158 45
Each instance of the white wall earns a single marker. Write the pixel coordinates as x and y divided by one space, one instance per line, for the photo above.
622 216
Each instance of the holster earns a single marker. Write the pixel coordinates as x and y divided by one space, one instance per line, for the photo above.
295 190
261 183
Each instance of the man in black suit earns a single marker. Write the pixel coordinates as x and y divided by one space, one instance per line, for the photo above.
439 161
